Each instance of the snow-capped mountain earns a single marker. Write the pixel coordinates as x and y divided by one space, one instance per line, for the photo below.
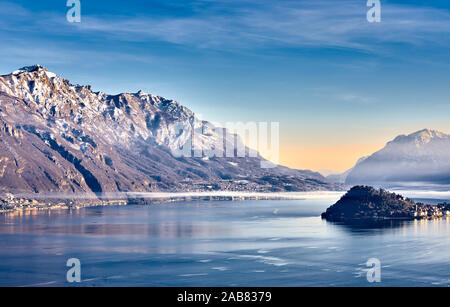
57 137
419 158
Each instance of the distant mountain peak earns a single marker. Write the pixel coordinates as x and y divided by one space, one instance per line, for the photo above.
30 68
141 93
34 68
418 158
428 133
421 137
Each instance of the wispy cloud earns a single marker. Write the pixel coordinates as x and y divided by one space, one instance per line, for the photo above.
319 23
231 25
340 95
355 98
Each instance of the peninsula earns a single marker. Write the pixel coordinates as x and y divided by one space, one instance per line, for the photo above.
368 203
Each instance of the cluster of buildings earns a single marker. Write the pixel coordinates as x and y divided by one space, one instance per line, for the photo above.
11 203
428 211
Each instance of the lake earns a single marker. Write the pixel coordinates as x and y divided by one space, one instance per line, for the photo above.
219 243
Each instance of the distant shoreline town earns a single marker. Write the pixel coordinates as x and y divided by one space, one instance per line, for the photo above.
10 203
14 203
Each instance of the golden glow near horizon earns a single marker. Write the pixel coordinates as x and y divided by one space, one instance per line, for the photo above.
323 151
337 158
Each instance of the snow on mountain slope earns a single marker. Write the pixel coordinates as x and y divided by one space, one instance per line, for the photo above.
423 156
57 137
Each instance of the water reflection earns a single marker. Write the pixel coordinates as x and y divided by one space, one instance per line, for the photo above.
261 243
159 230
418 227
372 227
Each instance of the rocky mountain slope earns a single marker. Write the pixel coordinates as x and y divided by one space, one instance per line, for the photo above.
56 137
419 158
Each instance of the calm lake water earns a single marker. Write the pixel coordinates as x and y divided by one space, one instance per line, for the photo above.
242 243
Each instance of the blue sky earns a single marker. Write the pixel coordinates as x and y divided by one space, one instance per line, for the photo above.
332 80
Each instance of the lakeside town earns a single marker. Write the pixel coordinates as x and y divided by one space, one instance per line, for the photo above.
10 203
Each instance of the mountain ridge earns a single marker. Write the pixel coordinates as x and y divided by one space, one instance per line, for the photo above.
63 138
419 157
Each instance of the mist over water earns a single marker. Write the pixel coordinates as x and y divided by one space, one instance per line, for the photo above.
182 195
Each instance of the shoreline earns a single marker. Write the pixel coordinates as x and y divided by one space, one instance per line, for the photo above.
13 204
387 219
